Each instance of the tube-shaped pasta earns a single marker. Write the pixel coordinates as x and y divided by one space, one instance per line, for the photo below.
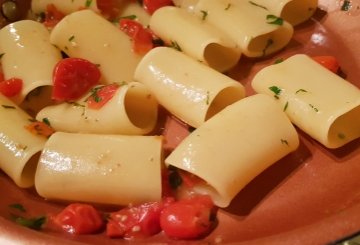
19 148
254 29
235 145
186 4
188 89
28 54
293 11
321 103
66 7
196 38
87 35
132 110
108 169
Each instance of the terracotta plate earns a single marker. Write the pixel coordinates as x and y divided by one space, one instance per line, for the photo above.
311 196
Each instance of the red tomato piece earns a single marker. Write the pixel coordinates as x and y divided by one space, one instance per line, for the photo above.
189 218
101 95
142 38
152 5
328 62
109 8
137 221
78 218
40 128
52 16
73 77
11 87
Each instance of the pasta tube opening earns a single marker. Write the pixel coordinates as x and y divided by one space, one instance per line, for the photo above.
297 11
220 57
27 176
141 108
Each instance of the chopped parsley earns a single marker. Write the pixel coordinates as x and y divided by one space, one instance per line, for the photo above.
228 6
8 106
18 206
88 3
277 61
276 90
286 105
204 14
207 97
130 17
341 136
257 5
268 44
175 45
301 91
46 121
71 38
94 94
284 142
32 223
315 109
273 19
346 6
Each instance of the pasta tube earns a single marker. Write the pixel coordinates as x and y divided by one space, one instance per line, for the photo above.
197 39
66 7
25 47
132 110
108 169
254 29
234 146
318 101
293 11
85 34
19 148
188 89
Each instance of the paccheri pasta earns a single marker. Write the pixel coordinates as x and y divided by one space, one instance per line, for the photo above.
108 147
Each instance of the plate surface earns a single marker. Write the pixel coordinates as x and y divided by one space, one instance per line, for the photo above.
310 197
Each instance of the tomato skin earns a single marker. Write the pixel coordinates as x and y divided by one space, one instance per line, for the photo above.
52 16
188 218
73 78
328 62
40 128
78 218
152 5
101 96
142 38
109 8
11 87
138 221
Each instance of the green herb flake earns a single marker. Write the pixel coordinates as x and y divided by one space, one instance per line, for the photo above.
341 136
71 39
301 91
276 90
18 206
284 142
315 109
228 6
207 97
257 5
8 106
88 3
267 46
273 19
204 14
32 223
346 6
46 121
286 105
278 61
129 17
175 45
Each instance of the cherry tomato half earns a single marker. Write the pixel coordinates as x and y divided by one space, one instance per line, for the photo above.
328 62
11 87
101 95
78 218
152 5
73 77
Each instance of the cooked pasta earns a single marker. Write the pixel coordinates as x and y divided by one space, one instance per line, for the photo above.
321 103
19 148
109 169
85 34
66 7
132 110
195 38
28 55
188 89
234 146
